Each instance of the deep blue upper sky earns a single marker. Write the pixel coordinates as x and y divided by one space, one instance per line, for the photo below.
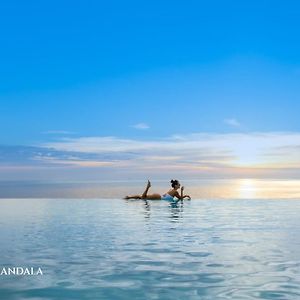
96 68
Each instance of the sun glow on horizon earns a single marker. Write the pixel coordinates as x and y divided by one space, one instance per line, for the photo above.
247 189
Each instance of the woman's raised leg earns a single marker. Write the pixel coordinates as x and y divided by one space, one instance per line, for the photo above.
144 195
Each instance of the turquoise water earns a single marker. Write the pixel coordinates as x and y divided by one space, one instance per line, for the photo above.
117 249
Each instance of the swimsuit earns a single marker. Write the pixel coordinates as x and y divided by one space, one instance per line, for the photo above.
167 197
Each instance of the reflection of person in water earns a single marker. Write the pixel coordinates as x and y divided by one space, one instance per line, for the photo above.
170 195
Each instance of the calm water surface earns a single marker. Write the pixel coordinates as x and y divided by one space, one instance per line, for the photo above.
117 249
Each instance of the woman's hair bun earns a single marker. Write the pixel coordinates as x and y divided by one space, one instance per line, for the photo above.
174 182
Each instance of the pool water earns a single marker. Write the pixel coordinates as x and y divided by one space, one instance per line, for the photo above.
117 249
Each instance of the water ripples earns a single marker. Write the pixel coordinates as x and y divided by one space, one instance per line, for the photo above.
114 249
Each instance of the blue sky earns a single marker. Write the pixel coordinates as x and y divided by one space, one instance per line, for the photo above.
148 73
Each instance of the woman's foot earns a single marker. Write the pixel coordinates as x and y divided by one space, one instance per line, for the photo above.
148 184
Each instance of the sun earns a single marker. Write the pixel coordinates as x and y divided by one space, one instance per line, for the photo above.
247 188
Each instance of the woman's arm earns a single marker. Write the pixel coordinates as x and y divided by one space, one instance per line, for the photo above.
181 197
184 196
178 196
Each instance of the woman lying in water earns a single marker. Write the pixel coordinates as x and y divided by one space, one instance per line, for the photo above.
170 195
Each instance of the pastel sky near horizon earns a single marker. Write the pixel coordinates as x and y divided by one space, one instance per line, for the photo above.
138 89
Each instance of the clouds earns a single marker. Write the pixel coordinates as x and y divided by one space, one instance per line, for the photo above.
28 156
232 122
247 149
214 142
199 154
57 132
141 126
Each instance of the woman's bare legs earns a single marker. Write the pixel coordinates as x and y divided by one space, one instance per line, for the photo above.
144 195
151 196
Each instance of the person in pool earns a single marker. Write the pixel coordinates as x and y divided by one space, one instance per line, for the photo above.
170 195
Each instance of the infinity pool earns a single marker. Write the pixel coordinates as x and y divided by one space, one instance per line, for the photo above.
117 249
